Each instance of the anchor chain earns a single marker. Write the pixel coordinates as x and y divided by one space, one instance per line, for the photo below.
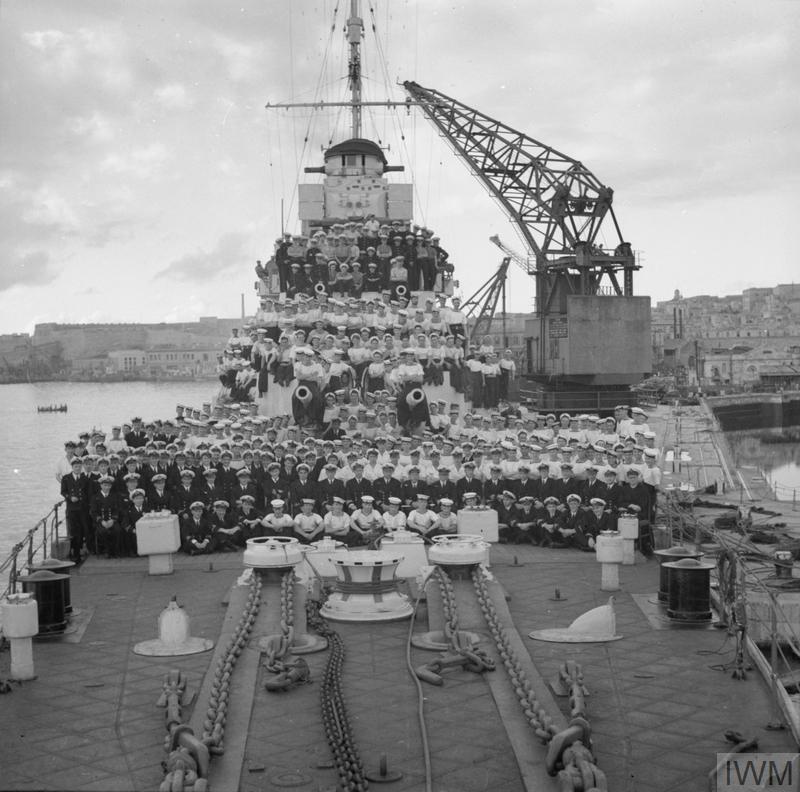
569 754
448 606
217 712
188 756
461 653
335 719
570 675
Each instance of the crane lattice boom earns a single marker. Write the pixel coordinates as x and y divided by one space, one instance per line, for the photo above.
557 204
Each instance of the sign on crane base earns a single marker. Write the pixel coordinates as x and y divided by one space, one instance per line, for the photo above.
558 327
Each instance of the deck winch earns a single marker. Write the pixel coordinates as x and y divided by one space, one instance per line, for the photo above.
268 554
366 588
459 553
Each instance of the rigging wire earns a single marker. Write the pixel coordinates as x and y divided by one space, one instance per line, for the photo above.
291 92
321 83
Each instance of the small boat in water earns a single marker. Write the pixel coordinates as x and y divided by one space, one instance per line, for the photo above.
49 408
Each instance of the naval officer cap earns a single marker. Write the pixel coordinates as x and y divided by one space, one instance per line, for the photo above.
221 504
393 501
597 502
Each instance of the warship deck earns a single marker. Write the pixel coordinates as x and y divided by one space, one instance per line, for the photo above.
661 699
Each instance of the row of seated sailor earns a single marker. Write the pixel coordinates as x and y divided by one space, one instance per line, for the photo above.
551 524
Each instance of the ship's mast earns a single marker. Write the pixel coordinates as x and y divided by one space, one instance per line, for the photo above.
355 29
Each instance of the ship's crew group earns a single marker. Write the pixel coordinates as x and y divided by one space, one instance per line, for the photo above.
346 259
365 305
352 406
554 481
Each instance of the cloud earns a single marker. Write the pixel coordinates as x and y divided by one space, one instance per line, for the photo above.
28 269
225 258
95 127
144 162
174 96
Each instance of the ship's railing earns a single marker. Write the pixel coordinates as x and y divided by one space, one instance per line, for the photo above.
786 493
747 597
575 401
34 547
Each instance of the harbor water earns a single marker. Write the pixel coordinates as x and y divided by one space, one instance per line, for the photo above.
33 442
760 453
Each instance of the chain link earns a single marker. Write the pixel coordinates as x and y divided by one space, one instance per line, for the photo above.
335 719
278 646
217 711
569 754
534 712
448 606
187 763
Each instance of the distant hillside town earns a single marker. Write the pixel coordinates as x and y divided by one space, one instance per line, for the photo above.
124 351
746 341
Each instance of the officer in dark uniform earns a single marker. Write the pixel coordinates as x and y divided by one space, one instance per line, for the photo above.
136 438
226 475
507 518
329 488
493 487
183 496
592 487
195 531
469 483
106 514
134 512
412 488
301 488
74 490
636 499
244 486
547 487
226 535
524 485
444 487
386 487
248 517
275 486
158 499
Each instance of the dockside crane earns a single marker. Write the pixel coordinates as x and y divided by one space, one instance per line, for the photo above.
564 215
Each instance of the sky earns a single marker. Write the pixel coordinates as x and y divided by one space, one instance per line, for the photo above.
141 175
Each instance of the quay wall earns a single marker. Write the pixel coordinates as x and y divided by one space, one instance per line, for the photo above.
743 411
